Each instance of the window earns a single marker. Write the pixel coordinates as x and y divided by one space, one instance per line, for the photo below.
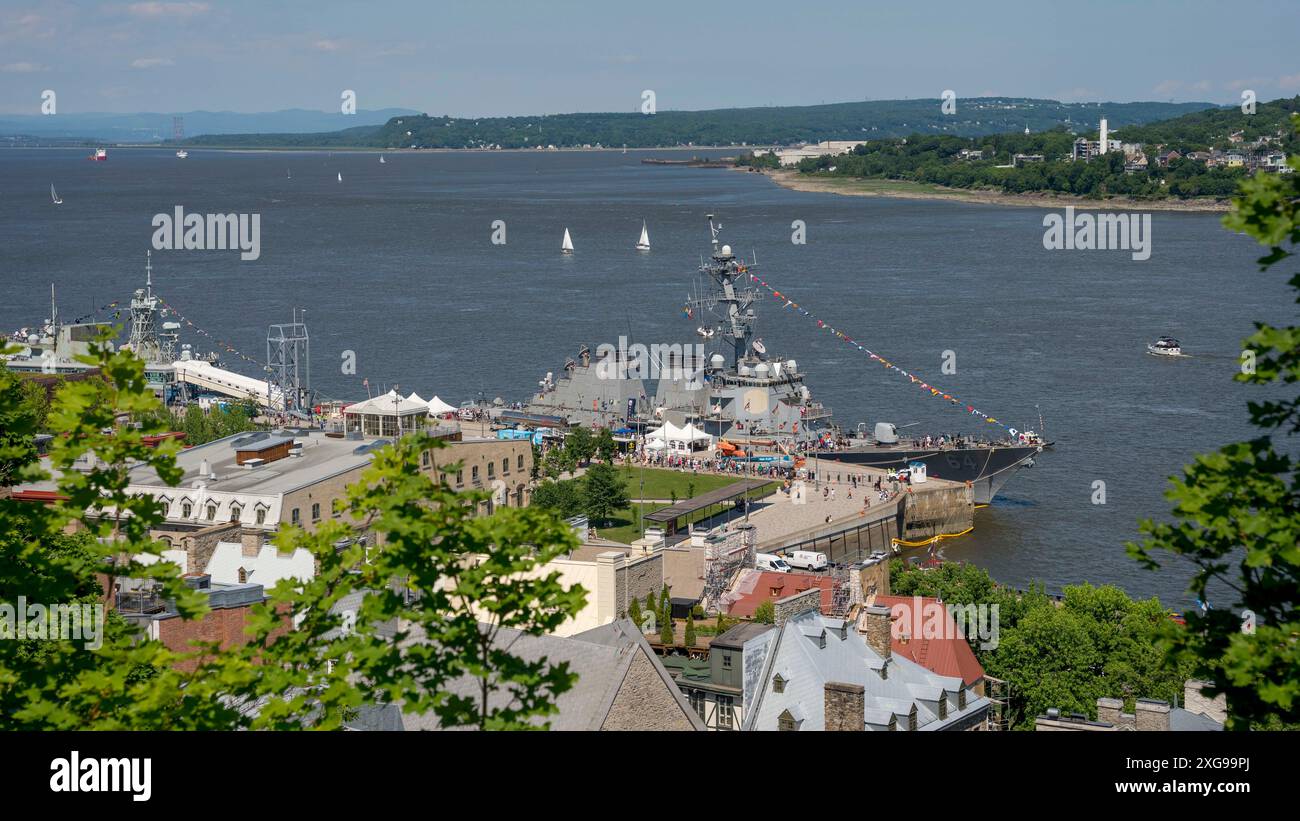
785 722
911 719
186 510
424 458
261 516
473 474
725 712
315 512
236 512
726 661
460 477
295 516
778 684
521 461
697 702
167 540
243 575
212 511
505 466
492 469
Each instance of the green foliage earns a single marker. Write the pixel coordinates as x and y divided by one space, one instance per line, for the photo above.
603 492
563 497
1096 642
580 445
557 462
634 612
666 632
1238 509
732 126
450 580
689 638
202 426
605 446
765 613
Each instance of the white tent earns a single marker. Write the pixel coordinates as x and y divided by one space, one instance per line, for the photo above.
385 404
437 407
414 397
687 439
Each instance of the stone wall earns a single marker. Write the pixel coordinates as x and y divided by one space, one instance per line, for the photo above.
845 706
645 702
792 606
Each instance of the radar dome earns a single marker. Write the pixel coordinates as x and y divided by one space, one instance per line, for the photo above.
726 250
761 370
717 362
791 366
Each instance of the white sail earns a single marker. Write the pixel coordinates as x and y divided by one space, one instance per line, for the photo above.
644 243
340 176
54 196
381 159
567 245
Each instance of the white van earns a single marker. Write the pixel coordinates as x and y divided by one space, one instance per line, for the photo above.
807 559
770 561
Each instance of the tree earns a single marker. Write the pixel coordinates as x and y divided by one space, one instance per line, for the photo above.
666 636
564 497
604 492
689 638
765 613
605 445
634 612
1238 509
580 445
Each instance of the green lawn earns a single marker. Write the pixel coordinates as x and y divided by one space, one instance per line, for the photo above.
660 484
883 186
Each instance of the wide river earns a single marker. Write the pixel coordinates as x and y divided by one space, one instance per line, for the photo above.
396 263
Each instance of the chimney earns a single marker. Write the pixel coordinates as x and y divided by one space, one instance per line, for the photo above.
1152 715
876 629
250 542
1108 710
845 706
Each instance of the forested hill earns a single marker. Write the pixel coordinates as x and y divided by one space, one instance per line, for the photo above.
729 126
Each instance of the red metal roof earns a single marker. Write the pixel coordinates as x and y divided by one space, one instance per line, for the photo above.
950 656
771 586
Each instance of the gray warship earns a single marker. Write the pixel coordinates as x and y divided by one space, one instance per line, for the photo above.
750 400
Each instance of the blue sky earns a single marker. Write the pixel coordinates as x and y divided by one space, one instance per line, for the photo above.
503 57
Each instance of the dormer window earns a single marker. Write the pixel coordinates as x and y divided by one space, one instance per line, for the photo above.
821 640
785 723
911 719
943 706
961 699
212 511
778 683
186 509
236 512
260 515
243 575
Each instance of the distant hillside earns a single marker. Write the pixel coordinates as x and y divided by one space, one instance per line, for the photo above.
1043 162
729 126
156 127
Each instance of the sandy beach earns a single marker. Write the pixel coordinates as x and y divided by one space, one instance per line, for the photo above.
902 189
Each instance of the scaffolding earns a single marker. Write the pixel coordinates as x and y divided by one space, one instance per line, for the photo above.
288 358
998 692
725 555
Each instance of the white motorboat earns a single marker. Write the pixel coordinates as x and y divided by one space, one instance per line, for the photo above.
1165 346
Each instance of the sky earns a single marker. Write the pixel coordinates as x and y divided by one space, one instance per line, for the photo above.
499 57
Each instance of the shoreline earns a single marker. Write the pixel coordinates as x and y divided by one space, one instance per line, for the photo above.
901 189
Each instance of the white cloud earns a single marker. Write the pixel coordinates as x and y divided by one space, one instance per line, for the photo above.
152 62
327 45
22 68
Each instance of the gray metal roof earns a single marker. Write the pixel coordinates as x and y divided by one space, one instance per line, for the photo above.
735 490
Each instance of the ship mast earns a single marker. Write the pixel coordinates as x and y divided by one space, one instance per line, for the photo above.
730 303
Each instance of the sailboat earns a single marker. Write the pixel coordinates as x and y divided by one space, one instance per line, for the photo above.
54 196
340 176
644 243
566 247
381 159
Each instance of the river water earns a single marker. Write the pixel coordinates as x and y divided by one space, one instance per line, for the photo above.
396 264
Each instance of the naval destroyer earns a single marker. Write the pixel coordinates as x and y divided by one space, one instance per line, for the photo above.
745 396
